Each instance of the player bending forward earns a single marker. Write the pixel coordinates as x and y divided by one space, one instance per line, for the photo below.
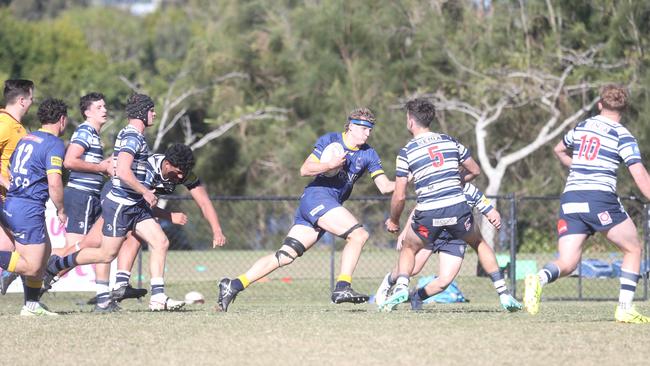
447 246
321 209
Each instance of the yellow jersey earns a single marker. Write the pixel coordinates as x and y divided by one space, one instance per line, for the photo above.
11 131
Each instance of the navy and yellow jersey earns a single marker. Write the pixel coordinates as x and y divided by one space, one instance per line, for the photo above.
433 159
37 154
131 141
88 138
358 160
599 145
159 184
476 198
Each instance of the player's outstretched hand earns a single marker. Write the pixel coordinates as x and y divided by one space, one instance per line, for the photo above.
218 240
151 198
391 226
494 218
179 218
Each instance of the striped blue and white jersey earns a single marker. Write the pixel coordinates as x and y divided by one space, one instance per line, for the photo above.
476 198
88 138
131 141
156 181
358 161
433 159
599 145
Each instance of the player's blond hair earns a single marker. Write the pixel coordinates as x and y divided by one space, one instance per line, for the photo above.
360 113
614 97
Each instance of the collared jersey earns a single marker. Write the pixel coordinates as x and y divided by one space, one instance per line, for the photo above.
88 138
358 160
37 154
162 186
131 141
599 145
433 159
11 131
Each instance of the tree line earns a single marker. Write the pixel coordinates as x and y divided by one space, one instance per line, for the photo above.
252 84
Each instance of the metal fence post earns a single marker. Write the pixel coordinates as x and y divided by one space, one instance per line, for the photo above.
140 269
513 243
580 278
332 264
646 236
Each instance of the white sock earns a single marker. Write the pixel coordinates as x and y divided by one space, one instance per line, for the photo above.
402 281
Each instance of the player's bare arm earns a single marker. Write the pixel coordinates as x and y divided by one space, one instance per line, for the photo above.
641 178
73 161
397 204
176 218
202 199
312 166
470 170
125 174
563 154
55 189
384 184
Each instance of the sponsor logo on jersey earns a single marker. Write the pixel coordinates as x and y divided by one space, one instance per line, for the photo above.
316 210
468 224
34 138
605 218
423 231
445 221
56 161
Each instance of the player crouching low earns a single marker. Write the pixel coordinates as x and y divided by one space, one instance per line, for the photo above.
321 209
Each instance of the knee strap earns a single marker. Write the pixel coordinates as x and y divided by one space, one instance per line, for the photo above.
293 244
350 230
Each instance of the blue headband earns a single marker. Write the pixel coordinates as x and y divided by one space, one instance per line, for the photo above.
362 122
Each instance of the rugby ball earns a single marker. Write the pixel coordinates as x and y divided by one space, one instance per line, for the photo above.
330 151
194 297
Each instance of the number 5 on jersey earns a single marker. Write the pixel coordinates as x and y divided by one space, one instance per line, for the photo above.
437 159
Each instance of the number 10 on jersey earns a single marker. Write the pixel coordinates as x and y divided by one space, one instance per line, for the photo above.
589 148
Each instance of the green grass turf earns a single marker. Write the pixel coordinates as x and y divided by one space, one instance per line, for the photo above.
265 327
291 322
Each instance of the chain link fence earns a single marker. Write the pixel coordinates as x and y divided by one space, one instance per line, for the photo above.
256 226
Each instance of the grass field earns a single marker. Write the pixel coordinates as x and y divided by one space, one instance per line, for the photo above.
292 323
268 329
